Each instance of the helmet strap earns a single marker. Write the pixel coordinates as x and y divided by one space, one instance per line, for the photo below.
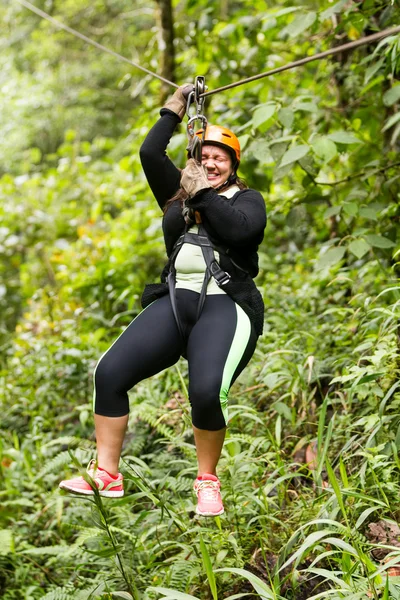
230 181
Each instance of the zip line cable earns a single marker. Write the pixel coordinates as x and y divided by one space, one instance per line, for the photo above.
349 46
83 37
297 63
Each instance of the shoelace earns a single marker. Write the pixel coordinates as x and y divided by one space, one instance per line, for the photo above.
209 488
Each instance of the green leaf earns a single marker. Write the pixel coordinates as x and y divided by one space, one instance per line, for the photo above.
335 485
378 241
124 595
237 596
46 550
329 12
388 394
373 69
386 591
173 594
299 24
311 540
262 114
258 584
278 150
328 575
350 208
342 545
322 455
392 95
294 153
391 121
243 140
324 148
307 163
344 137
260 150
359 248
368 378
286 117
368 213
306 106
332 211
6 542
331 257
208 568
283 409
365 514
371 84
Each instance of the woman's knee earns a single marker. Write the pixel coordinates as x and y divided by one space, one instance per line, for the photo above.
209 407
105 373
110 394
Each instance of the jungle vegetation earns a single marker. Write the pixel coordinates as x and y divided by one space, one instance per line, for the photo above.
310 467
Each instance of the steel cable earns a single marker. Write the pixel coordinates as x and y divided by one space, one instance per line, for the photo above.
83 37
348 46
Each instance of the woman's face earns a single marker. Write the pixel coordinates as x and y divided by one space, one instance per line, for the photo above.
218 162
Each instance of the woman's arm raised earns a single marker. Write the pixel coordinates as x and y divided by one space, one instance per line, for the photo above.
161 173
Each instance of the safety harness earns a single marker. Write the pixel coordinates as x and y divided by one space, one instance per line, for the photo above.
213 269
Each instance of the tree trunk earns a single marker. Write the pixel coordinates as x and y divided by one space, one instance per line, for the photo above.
166 45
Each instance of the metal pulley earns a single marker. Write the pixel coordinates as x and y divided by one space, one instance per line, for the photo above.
194 142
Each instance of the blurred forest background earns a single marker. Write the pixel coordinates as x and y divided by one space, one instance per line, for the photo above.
310 468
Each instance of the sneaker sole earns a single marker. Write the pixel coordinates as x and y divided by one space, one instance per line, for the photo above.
105 494
208 514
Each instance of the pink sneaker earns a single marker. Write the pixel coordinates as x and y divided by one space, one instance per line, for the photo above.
110 486
209 501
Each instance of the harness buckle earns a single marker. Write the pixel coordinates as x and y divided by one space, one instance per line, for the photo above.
221 277
225 279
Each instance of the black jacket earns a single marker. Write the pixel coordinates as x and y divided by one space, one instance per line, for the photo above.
235 225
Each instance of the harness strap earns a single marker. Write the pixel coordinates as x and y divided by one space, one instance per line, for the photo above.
221 277
213 269
172 295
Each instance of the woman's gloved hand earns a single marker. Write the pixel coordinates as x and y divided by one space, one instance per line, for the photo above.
177 102
194 178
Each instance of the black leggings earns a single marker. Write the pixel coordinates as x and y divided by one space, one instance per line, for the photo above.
218 347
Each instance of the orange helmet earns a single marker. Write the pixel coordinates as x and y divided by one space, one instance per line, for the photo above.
220 136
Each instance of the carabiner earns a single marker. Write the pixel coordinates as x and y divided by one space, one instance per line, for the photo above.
199 88
194 142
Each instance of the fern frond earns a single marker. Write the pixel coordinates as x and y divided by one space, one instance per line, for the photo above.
253 442
66 440
46 550
57 595
152 418
87 533
179 575
55 464
69 593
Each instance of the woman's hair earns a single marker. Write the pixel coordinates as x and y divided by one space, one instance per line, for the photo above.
183 196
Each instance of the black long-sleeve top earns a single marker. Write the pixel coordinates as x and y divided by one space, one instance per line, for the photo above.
236 224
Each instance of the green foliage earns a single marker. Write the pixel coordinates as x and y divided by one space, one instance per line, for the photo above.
80 235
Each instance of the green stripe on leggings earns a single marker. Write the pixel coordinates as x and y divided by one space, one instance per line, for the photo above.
238 347
103 355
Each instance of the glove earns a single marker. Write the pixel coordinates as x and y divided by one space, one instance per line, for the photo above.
194 178
177 102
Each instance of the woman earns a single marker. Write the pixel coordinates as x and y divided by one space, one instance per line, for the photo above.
210 311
